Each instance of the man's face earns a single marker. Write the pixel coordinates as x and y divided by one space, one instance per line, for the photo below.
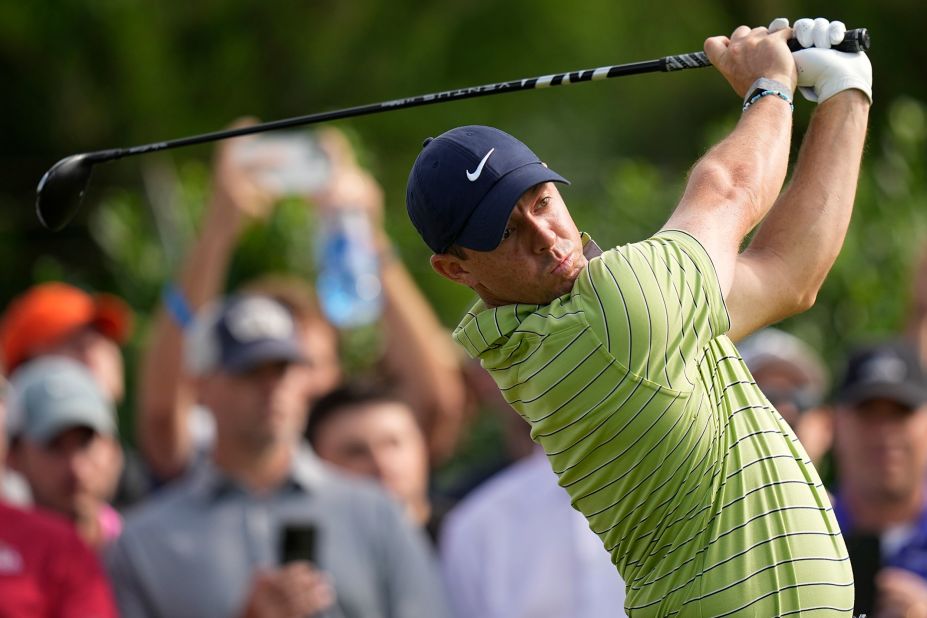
98 353
72 474
381 440
539 258
257 408
881 448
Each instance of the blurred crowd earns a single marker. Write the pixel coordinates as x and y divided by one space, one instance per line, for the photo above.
257 477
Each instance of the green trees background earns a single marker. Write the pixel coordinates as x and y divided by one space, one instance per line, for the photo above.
93 74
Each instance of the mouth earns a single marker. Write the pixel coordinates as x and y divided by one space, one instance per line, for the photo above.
564 266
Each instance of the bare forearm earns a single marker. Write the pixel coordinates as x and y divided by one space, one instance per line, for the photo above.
797 244
165 395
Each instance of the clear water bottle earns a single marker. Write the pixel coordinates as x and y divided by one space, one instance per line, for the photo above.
348 281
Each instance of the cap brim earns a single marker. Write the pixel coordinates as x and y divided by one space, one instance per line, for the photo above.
262 352
112 317
483 231
909 395
68 418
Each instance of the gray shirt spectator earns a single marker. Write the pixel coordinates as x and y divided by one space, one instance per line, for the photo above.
193 550
211 545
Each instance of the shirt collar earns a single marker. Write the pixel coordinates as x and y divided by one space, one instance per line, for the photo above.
306 474
483 329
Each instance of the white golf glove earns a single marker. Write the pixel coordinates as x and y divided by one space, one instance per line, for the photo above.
823 72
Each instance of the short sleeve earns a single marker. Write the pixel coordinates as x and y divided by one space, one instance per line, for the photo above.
656 304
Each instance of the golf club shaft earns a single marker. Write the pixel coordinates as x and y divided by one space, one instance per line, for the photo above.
855 40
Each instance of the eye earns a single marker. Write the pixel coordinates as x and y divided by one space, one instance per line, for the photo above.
544 202
506 233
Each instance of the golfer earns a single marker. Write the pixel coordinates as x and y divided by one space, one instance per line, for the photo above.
622 361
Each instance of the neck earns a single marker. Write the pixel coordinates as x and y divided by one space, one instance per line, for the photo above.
87 524
259 470
419 510
875 513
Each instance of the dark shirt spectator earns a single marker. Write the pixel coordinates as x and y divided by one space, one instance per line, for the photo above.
881 502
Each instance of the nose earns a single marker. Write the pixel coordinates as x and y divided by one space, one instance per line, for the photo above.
543 238
78 466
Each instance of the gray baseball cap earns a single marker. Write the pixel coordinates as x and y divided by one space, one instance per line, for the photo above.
51 394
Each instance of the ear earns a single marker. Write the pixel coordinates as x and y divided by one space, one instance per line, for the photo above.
451 267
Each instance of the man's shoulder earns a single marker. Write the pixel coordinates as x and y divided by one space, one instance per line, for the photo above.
165 506
35 526
335 485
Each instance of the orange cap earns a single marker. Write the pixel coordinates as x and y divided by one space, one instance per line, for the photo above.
50 312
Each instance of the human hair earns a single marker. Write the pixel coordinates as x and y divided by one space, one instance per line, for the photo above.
457 251
293 292
349 395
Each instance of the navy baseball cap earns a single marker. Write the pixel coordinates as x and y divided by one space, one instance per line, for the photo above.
240 334
465 183
891 370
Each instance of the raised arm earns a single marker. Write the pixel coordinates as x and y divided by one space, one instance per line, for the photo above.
166 395
783 268
781 271
420 356
733 186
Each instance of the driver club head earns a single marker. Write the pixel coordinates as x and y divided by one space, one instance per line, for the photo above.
60 191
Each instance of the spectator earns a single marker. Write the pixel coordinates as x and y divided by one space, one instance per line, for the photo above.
57 319
516 548
208 545
881 453
794 379
418 356
366 430
64 444
46 571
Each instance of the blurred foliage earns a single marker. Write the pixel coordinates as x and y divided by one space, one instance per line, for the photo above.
82 76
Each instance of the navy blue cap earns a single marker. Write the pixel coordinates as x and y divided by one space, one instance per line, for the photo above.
889 370
240 334
465 183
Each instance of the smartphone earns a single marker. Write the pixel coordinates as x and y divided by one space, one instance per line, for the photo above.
297 542
285 162
866 558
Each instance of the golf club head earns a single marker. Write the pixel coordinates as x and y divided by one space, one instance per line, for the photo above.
59 193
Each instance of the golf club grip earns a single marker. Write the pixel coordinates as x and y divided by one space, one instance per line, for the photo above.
854 41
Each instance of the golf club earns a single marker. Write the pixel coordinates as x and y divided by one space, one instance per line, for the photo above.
62 187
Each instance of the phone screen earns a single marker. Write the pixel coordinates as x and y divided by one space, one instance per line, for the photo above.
297 542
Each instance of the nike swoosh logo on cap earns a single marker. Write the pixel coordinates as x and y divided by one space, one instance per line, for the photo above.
474 175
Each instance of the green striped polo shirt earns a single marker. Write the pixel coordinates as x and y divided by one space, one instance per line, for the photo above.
702 494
